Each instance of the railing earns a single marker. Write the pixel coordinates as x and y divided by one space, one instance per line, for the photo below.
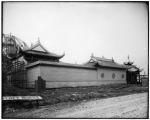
18 74
143 76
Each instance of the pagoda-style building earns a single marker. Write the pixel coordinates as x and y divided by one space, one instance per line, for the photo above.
16 49
30 63
132 73
21 55
105 63
37 52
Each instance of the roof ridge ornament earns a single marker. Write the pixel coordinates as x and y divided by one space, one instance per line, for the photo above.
31 44
92 55
128 61
38 39
113 59
128 58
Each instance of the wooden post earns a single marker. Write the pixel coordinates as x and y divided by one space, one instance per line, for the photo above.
39 84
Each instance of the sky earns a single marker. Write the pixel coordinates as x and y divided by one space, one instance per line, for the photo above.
109 29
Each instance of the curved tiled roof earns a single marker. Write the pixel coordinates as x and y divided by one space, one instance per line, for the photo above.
102 59
103 62
60 64
46 54
110 64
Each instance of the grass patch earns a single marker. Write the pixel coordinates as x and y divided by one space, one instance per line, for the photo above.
75 94
57 95
9 90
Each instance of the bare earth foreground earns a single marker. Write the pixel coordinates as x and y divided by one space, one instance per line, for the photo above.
128 106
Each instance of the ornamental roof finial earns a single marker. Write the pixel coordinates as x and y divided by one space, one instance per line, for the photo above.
92 55
112 59
38 40
128 58
31 44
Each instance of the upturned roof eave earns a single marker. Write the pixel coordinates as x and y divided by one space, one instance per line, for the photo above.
43 54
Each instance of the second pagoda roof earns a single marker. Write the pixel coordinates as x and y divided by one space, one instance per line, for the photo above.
104 62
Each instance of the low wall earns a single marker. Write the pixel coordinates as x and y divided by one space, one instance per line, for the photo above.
111 74
32 75
54 73
145 81
53 84
63 75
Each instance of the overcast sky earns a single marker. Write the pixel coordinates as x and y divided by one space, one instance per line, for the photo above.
109 29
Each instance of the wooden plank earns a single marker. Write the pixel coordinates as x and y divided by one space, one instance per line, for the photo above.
22 98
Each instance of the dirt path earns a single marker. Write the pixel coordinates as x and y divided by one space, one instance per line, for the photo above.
129 106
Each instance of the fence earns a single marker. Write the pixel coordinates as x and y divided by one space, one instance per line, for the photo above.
19 79
17 74
144 80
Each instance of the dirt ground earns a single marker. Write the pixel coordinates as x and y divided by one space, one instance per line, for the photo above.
128 106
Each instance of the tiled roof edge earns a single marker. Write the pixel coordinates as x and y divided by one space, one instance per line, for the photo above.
58 65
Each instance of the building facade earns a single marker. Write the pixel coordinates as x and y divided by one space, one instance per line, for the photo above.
72 75
36 61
